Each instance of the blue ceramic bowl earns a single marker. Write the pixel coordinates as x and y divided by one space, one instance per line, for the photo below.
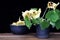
18 29
42 33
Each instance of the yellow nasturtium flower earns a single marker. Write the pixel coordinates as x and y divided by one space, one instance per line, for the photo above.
18 23
52 5
14 23
26 13
32 13
35 13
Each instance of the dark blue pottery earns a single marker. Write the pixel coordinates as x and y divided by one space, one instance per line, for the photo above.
19 30
42 33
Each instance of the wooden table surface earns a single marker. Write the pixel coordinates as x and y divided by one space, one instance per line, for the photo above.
10 36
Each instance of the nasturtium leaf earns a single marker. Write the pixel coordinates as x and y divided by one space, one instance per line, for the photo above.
57 24
58 12
44 24
28 22
35 21
52 16
53 24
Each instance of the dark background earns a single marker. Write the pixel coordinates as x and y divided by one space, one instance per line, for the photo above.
10 10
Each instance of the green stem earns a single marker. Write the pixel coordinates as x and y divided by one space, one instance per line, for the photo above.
44 12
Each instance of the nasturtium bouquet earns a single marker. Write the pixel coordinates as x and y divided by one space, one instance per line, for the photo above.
53 14
32 16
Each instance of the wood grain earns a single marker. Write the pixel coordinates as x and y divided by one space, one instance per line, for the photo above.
31 36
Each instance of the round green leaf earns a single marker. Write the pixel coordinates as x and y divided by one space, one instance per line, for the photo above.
52 16
57 24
